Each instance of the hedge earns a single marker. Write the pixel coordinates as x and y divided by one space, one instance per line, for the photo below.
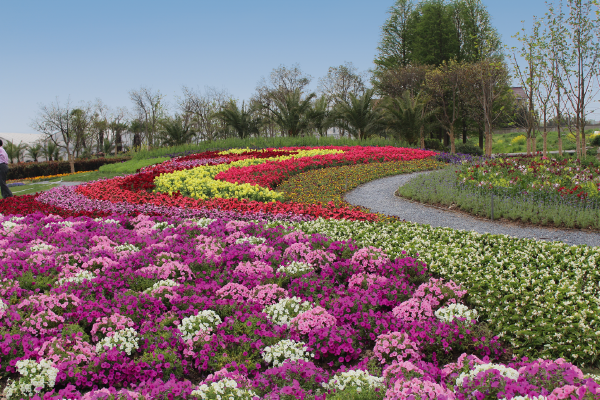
45 168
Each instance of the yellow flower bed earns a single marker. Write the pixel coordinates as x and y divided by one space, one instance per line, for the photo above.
200 182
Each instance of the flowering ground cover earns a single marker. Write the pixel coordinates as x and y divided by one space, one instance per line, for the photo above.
155 307
326 185
114 290
538 190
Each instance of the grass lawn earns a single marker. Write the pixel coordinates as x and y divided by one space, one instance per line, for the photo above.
502 142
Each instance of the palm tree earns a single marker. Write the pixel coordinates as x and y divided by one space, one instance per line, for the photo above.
11 151
175 132
320 117
49 150
244 121
292 113
108 146
34 151
407 116
359 115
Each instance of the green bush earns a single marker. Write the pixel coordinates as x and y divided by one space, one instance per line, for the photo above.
434 144
595 140
47 168
468 148
591 151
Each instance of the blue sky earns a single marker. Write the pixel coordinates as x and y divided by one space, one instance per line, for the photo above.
86 50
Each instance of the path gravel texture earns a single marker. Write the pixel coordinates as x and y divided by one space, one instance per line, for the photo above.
378 196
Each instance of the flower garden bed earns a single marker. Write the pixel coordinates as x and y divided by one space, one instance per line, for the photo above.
181 298
530 189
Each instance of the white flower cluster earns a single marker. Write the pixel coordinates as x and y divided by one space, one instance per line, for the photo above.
161 226
161 283
77 278
226 389
3 308
107 221
504 371
284 310
295 269
68 224
358 379
7 226
286 350
250 239
126 247
35 377
455 310
41 247
204 222
125 340
205 320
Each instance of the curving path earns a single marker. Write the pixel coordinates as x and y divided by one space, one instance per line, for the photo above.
378 196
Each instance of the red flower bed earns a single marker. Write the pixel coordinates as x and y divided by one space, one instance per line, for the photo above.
272 173
27 204
111 190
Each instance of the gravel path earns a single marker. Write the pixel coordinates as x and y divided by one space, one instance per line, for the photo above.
378 196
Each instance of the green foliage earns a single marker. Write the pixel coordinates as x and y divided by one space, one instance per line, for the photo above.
353 393
359 116
244 121
468 148
405 115
591 151
70 330
175 132
292 112
434 144
595 141
29 281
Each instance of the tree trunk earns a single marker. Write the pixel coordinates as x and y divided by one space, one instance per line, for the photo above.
545 138
452 145
560 149
422 137
528 144
534 144
577 143
480 138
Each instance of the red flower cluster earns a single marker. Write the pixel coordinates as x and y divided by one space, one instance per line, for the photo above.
111 190
272 173
27 204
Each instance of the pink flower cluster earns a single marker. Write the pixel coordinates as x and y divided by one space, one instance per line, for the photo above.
315 318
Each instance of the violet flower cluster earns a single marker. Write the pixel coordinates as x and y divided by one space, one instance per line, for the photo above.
174 308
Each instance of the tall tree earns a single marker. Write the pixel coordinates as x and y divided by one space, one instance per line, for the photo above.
478 39
54 122
200 109
435 37
395 47
150 108
489 79
529 75
580 67
444 85
320 116
340 82
557 50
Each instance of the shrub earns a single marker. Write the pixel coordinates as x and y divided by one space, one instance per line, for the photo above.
468 148
595 140
521 139
45 168
434 144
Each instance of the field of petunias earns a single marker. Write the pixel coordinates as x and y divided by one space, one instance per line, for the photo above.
118 289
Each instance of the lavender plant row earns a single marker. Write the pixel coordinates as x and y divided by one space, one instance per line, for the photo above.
443 187
173 308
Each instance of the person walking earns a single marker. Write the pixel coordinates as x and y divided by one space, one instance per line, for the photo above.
6 193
